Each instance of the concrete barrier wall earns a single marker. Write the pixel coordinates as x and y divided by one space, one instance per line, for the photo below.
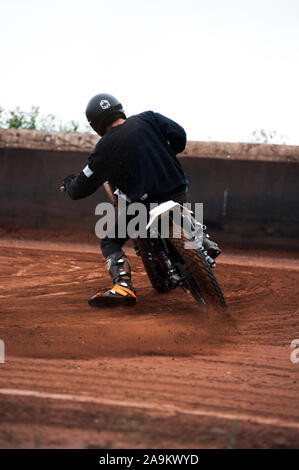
249 191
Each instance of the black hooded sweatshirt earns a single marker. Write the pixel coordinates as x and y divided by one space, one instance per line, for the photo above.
138 157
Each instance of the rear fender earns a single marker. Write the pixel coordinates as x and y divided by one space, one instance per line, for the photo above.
161 211
189 227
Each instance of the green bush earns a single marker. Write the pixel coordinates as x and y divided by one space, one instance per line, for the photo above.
1 116
18 119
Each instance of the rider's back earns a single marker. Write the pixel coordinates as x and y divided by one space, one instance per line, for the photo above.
140 155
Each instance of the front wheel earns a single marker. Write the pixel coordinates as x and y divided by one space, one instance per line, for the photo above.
157 279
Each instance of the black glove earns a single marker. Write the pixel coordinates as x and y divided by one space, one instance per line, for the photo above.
67 181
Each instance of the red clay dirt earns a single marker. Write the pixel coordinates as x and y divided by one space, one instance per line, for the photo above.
161 374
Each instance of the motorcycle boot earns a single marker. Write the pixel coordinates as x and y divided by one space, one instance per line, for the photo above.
122 292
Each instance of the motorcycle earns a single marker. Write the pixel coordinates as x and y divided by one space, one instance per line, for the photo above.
169 264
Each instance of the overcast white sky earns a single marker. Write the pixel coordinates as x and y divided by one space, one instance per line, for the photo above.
221 68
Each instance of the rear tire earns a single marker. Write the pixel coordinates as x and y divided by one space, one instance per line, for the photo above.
203 279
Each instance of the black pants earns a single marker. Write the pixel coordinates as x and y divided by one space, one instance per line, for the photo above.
113 244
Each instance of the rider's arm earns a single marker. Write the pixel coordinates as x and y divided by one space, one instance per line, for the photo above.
173 132
90 178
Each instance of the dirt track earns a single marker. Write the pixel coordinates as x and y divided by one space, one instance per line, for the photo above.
157 375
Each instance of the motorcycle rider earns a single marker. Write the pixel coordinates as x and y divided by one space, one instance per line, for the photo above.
137 155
